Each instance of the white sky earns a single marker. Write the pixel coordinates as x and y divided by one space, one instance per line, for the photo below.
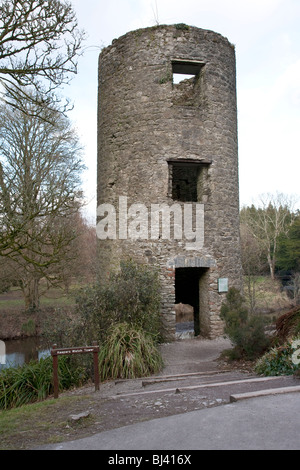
266 34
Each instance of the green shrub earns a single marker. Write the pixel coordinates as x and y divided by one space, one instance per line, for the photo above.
277 361
128 352
33 381
246 333
233 310
130 295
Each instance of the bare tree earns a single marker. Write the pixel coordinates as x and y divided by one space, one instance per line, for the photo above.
268 222
254 262
40 167
79 264
76 263
39 45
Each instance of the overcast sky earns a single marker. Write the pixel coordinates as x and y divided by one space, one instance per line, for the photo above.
266 35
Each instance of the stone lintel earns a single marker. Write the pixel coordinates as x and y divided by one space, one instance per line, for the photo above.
194 262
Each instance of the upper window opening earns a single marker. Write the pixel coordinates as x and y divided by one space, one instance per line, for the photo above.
179 77
183 69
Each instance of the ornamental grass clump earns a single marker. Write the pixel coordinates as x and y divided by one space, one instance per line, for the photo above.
33 381
288 324
128 352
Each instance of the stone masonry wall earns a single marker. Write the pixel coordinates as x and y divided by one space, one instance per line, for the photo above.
147 125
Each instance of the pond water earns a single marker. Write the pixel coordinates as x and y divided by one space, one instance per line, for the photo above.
20 351
17 352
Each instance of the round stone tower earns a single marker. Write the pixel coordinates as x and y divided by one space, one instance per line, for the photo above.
168 165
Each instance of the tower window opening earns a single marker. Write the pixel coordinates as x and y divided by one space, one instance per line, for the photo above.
188 180
179 77
184 183
185 69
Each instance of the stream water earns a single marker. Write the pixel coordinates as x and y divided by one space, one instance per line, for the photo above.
19 351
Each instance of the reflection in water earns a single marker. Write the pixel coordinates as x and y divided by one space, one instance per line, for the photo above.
20 351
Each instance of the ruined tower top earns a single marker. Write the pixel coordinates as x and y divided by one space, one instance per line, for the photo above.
145 118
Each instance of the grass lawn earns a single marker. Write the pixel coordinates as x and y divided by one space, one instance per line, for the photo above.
268 294
53 298
38 423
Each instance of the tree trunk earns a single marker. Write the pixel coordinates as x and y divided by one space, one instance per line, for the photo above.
271 262
30 290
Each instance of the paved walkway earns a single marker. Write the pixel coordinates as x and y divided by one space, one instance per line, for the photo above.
262 423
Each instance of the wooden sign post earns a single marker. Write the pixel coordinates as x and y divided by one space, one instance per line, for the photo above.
55 352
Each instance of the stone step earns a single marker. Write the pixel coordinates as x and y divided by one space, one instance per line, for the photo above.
199 386
178 377
260 393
